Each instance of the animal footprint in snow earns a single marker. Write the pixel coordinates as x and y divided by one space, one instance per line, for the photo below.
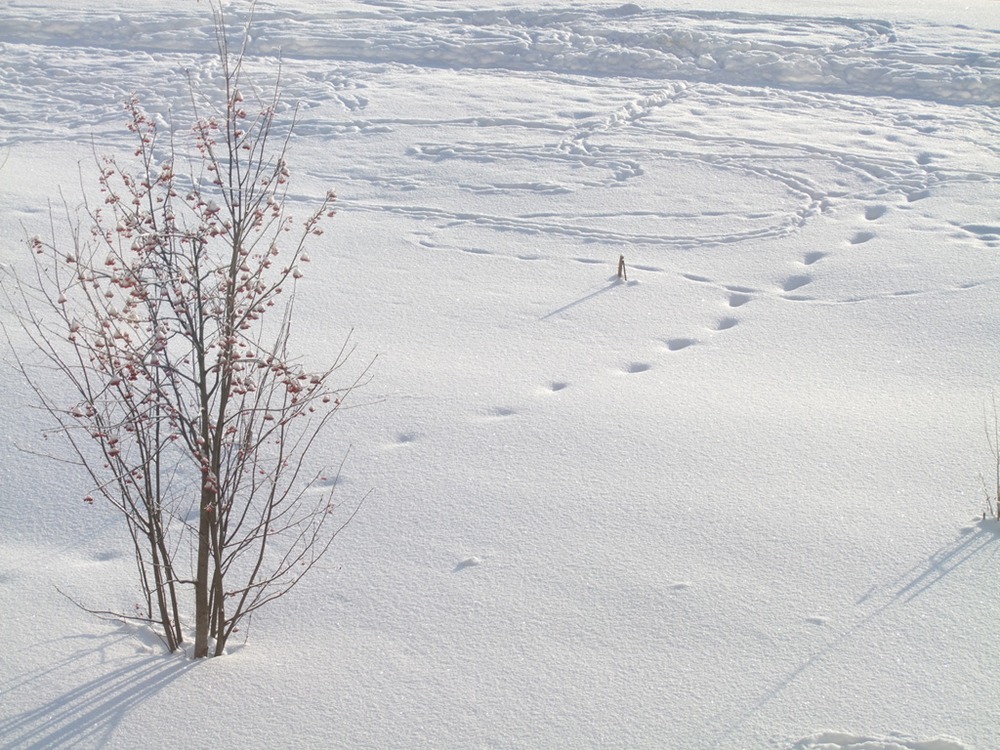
738 299
725 324
874 212
862 237
556 386
469 562
795 282
814 257
675 345
637 367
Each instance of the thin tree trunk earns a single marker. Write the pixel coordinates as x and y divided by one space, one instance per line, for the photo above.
159 580
202 584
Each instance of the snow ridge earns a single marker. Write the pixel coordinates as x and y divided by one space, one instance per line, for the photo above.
836 55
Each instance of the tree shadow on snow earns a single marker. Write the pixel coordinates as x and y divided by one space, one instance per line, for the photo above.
87 713
973 540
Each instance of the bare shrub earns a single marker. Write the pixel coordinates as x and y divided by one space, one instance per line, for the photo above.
168 317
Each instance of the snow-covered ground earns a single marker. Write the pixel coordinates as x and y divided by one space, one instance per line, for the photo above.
731 503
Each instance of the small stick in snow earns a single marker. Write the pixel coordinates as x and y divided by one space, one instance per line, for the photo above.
621 268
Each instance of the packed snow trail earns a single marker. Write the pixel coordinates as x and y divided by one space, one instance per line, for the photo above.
830 55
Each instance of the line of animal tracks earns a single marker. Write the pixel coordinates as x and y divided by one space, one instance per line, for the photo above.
618 128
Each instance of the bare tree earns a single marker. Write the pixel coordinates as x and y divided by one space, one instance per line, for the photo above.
169 314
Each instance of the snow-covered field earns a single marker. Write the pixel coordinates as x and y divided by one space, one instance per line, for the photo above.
731 503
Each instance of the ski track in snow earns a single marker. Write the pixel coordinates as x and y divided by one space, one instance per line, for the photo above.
689 87
690 73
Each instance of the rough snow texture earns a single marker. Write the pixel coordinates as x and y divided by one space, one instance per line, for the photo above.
726 504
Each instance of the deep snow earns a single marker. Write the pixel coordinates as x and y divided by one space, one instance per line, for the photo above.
731 503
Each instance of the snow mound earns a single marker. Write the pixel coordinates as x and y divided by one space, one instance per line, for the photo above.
842 741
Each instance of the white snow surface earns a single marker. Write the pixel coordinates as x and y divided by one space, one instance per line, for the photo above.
733 502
